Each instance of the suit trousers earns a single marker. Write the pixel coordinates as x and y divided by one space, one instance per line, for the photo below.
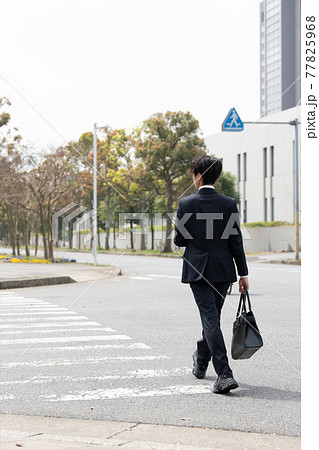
209 297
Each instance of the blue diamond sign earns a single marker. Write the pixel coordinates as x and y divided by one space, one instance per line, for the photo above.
232 121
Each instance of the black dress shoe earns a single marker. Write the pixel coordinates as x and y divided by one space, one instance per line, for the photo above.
225 383
199 369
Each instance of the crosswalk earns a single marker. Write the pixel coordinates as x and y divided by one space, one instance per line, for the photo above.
58 355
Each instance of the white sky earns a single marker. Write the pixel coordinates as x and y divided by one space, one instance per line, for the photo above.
116 62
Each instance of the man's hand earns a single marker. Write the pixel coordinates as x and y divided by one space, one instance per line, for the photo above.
243 283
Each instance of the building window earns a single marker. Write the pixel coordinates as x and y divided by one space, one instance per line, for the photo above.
272 167
272 209
245 166
265 162
265 210
238 168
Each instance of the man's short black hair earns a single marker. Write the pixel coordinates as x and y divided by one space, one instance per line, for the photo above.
209 167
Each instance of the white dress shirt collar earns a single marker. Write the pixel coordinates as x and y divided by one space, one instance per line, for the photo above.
210 186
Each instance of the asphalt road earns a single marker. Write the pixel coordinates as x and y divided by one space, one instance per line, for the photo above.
120 349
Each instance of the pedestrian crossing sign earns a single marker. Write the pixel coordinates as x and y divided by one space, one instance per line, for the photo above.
232 121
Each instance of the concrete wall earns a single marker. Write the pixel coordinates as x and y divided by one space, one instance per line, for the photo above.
263 239
255 240
270 239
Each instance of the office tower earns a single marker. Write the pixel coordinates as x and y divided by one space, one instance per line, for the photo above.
279 55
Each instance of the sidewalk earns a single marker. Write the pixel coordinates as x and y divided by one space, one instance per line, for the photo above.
38 433
275 258
18 275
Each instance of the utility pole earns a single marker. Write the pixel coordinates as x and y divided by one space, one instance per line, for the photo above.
296 177
94 243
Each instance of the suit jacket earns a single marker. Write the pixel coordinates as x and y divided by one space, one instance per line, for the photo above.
207 225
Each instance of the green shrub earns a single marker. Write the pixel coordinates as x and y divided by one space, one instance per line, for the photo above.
276 223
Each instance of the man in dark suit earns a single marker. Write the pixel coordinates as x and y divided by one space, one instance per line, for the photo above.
208 226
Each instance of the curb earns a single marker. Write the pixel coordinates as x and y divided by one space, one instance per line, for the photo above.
294 262
35 282
45 281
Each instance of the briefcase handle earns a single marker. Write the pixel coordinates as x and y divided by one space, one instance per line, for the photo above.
242 303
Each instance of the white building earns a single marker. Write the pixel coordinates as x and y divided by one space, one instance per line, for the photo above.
279 55
262 158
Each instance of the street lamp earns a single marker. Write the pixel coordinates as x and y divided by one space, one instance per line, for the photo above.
94 243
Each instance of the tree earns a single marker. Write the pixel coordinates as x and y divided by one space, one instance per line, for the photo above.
11 162
140 195
113 155
167 144
49 183
226 184
8 139
127 182
11 191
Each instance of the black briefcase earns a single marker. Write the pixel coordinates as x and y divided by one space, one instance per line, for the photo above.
246 338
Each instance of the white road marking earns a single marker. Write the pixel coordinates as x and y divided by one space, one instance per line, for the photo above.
32 308
132 374
151 276
21 301
52 319
7 397
165 276
21 317
36 313
141 278
136 346
110 394
109 337
17 308
46 325
25 300
19 297
26 303
79 361
54 331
